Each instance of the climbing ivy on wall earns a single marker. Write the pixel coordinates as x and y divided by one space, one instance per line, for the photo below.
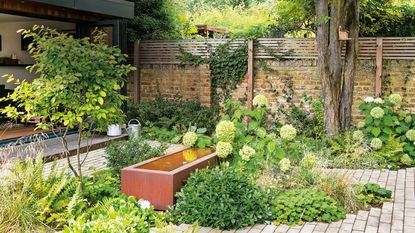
228 67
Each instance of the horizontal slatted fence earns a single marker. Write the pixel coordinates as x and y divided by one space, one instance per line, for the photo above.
167 51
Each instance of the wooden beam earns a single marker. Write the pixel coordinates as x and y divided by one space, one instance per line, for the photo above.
250 73
379 61
137 77
45 11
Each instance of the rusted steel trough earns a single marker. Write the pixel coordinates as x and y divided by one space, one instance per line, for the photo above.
158 179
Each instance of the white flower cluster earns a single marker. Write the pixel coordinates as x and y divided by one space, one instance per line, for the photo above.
285 165
260 101
223 149
288 132
246 152
189 139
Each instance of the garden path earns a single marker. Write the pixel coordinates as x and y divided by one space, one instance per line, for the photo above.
396 216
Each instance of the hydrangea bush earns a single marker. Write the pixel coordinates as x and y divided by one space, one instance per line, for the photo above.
248 141
386 119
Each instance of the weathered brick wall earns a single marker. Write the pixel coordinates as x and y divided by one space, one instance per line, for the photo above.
191 81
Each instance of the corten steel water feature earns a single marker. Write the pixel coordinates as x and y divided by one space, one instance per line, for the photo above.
158 179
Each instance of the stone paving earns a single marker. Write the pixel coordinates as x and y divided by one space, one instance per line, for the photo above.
396 216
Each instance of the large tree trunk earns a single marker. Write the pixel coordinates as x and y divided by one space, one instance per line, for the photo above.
350 60
335 84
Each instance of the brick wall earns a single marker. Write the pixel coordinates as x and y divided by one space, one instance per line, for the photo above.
194 81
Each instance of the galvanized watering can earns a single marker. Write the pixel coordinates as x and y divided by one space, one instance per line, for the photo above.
134 130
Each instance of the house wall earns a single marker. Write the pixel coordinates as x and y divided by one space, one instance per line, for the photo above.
191 81
11 44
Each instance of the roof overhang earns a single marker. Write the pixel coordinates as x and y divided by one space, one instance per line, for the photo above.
114 8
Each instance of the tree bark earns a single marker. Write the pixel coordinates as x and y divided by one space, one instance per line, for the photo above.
337 77
350 61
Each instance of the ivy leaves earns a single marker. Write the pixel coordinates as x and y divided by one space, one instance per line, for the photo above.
228 67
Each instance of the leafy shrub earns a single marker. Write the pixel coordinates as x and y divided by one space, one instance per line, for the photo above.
101 184
386 119
223 197
121 215
125 153
160 134
174 113
233 133
372 194
298 205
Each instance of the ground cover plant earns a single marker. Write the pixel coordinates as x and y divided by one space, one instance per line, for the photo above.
125 153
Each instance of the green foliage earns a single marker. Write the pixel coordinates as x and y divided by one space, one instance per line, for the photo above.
222 197
391 128
122 215
252 133
160 134
173 114
158 19
238 21
386 18
122 154
295 18
78 81
309 119
30 202
100 185
372 194
227 69
298 205
346 152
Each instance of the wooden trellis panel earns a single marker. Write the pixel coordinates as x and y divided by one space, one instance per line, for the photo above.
167 51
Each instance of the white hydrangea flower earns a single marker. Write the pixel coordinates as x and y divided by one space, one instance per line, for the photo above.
288 132
410 134
189 139
378 100
225 131
223 149
260 101
285 165
246 152
395 99
376 143
358 135
361 125
377 112
369 99
144 204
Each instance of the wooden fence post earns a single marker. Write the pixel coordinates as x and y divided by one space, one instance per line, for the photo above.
137 81
250 73
379 61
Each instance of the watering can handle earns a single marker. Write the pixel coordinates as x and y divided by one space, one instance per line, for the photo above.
134 120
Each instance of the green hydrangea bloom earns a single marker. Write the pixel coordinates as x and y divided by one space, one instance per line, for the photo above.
378 100
189 139
223 149
377 112
408 119
246 152
395 99
358 135
260 101
309 159
360 125
225 131
405 159
376 144
288 132
410 134
285 165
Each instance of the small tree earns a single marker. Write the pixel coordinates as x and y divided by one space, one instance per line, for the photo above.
78 86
